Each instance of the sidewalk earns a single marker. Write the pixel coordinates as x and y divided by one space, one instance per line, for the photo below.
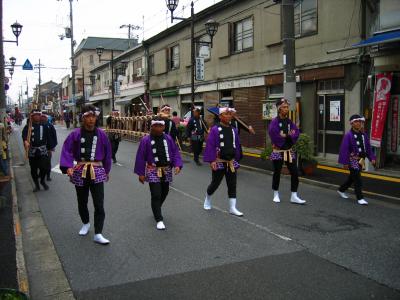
44 273
379 183
8 263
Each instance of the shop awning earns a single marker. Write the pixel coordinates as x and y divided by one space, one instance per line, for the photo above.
127 99
381 38
376 39
165 93
97 98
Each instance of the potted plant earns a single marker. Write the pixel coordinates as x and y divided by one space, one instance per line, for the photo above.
266 152
306 160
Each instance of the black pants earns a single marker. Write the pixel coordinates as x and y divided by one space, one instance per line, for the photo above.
38 164
230 178
48 172
159 192
197 147
355 176
277 175
97 191
114 148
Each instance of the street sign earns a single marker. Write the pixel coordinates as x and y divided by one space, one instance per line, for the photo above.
199 68
27 65
6 87
117 88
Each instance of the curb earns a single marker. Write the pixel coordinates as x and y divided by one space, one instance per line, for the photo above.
39 282
22 274
386 198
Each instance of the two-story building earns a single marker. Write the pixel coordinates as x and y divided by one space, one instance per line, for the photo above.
129 85
86 59
245 66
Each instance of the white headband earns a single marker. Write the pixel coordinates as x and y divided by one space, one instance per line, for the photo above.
358 119
160 122
283 101
165 108
91 112
226 109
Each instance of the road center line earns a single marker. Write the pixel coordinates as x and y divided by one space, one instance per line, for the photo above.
247 221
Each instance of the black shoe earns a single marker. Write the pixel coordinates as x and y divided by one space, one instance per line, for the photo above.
45 186
48 179
114 161
36 189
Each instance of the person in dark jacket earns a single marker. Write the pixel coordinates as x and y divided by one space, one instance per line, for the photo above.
38 143
195 132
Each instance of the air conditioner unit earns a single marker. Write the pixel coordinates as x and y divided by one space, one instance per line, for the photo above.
139 72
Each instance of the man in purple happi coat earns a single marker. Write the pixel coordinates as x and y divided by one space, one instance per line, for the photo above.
90 148
354 149
284 134
157 155
223 153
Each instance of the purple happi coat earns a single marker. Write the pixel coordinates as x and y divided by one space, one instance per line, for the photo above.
211 153
71 152
145 164
278 141
349 153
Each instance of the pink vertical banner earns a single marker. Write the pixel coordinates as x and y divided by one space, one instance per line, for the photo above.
381 105
395 123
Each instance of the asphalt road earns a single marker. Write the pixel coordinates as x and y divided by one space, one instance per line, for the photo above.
330 248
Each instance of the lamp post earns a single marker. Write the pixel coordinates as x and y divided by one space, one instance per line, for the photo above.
211 29
10 66
16 29
99 51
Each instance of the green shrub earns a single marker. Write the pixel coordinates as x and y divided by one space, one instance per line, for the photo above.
304 148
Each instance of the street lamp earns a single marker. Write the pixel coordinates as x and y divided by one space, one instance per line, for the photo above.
16 29
99 51
10 65
211 29
13 60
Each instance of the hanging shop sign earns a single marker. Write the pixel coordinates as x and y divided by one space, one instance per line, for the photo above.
395 124
381 104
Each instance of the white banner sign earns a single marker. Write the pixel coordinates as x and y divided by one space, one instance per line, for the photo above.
199 68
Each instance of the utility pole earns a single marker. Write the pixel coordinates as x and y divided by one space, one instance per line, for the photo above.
289 57
130 27
2 90
72 63
192 52
39 66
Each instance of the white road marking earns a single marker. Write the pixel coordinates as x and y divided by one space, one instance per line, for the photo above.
247 221
56 169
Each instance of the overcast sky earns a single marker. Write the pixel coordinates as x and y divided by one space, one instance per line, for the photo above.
44 20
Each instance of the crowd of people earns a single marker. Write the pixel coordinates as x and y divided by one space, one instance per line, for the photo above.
88 152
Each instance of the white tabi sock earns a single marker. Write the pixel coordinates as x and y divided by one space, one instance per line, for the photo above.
207 202
296 199
232 208
276 197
